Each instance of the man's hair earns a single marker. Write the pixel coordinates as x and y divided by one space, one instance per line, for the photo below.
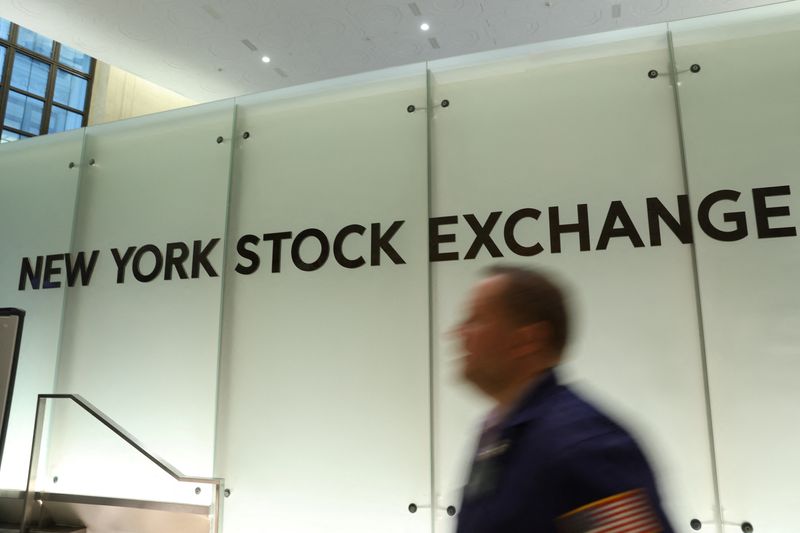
530 296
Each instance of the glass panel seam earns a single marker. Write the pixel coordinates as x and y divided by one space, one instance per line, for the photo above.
696 278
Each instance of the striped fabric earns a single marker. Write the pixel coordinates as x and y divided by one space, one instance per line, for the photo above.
627 512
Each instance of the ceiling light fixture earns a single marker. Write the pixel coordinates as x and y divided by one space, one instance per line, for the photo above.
265 59
424 26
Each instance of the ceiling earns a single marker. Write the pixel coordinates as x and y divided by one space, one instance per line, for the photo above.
211 49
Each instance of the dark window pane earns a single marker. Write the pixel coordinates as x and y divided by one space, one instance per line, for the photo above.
5 28
30 74
70 90
23 112
9 136
34 41
2 59
63 120
72 58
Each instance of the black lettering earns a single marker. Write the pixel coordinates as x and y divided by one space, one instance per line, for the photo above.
200 258
276 239
681 228
241 248
483 236
617 212
581 228
27 273
137 263
51 270
739 218
763 213
171 261
324 252
122 262
381 242
508 232
80 268
338 243
435 239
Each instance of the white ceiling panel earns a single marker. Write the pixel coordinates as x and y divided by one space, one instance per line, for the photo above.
212 49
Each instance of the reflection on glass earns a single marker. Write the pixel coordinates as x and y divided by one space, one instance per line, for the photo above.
30 75
63 120
8 136
2 60
70 90
72 58
35 42
5 28
23 112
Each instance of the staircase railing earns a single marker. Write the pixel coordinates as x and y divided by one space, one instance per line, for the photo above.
38 431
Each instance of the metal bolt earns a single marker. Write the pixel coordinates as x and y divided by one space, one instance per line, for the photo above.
747 527
197 490
411 109
71 164
227 492
653 74
55 479
412 508
696 68
92 162
451 511
246 135
220 139
445 103
695 524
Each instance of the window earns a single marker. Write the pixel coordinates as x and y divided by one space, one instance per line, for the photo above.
44 86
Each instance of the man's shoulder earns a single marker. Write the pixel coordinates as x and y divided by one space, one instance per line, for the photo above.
570 419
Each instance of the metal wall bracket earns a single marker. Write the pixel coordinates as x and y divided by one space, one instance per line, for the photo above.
412 108
694 69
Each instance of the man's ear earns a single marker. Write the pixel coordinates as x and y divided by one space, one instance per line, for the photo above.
532 339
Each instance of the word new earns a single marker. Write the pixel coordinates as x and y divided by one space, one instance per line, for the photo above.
146 263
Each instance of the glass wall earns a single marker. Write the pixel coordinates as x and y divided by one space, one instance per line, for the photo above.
325 385
39 182
548 139
262 289
741 114
141 336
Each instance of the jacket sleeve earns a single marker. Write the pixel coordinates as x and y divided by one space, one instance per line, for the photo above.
604 482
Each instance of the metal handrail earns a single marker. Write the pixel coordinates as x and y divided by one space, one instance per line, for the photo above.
124 435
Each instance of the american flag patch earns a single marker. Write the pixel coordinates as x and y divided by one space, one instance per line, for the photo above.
627 512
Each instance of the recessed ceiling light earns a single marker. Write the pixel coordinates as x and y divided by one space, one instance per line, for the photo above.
265 59
424 26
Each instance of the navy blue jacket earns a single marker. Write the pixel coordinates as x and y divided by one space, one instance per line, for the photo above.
555 453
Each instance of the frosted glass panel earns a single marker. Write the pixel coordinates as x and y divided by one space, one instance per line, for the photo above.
567 128
741 113
37 204
141 333
324 421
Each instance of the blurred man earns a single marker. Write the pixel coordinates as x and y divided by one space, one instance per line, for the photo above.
547 461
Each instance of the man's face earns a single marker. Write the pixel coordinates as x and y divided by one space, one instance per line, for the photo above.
486 337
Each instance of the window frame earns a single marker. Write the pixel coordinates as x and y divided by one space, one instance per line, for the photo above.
12 49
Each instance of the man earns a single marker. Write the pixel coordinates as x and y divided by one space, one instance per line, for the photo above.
547 460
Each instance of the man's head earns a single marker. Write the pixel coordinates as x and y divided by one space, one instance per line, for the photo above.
516 328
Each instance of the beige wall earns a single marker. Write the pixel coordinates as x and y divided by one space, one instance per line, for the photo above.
118 94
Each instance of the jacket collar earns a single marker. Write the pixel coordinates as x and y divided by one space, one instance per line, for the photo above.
529 405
